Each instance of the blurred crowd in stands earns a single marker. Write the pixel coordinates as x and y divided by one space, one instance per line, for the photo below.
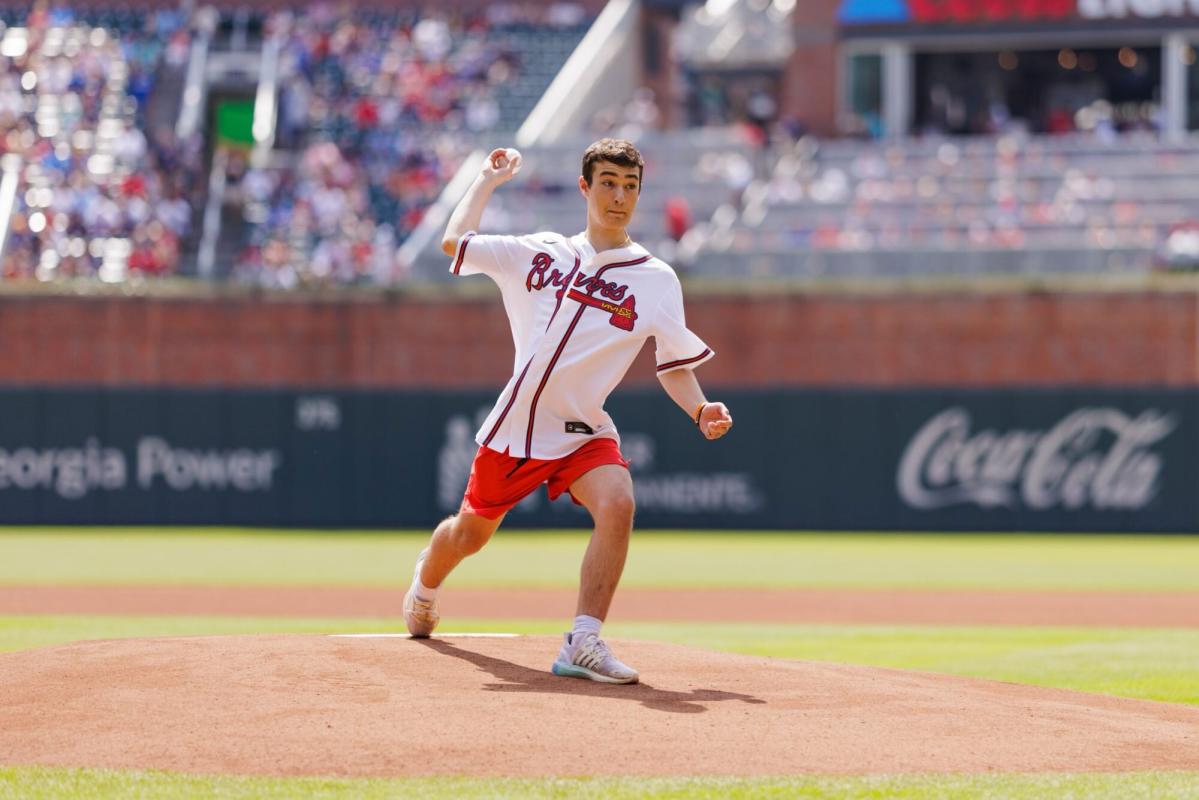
382 107
377 108
1074 203
100 194
314 223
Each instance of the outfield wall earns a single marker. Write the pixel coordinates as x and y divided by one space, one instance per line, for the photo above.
387 341
1029 459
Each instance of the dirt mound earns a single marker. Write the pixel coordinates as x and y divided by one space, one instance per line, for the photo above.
389 706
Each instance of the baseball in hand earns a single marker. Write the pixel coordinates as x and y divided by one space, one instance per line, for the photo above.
508 156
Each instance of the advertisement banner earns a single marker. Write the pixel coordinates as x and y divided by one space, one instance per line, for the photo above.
930 14
1002 460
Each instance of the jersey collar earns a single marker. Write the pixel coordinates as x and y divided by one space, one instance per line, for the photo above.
595 260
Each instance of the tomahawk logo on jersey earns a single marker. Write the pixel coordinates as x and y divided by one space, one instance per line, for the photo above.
578 320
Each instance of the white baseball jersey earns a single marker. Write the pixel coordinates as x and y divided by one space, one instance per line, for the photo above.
578 320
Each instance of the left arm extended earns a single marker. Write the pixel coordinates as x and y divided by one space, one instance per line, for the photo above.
714 418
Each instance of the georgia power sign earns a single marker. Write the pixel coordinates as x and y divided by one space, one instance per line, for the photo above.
74 472
1095 457
941 12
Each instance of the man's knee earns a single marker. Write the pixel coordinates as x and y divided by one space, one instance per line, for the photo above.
469 534
615 510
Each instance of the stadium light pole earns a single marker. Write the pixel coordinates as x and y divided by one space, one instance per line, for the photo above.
1174 85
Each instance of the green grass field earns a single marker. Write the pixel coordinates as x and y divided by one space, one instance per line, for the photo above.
551 559
36 783
1156 664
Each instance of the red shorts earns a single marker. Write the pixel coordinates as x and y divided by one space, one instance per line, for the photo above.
499 481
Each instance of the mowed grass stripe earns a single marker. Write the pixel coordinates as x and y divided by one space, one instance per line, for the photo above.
1148 664
34 783
551 559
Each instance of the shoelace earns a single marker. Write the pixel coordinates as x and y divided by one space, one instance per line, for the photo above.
592 652
422 609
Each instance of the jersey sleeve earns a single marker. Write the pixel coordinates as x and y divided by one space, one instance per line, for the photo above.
495 256
677 346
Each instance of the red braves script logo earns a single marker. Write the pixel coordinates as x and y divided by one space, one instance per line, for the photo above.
544 274
537 277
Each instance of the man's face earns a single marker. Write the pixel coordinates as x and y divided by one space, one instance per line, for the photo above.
612 195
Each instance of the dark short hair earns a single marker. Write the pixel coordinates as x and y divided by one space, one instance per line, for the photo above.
618 151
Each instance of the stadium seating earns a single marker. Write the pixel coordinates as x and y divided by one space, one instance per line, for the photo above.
101 192
985 205
698 171
381 108
866 210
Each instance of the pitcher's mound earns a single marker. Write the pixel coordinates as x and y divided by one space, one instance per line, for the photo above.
387 706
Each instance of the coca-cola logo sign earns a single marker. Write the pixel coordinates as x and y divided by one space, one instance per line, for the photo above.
1099 458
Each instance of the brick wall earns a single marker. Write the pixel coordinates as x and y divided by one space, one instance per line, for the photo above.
965 339
812 75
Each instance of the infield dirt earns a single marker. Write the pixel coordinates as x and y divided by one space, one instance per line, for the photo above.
391 706
833 606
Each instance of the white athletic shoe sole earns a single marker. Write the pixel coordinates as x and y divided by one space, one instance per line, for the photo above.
575 671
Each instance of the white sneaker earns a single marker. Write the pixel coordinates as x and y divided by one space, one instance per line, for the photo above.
590 658
421 616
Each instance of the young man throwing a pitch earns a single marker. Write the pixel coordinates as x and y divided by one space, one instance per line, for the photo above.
580 308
